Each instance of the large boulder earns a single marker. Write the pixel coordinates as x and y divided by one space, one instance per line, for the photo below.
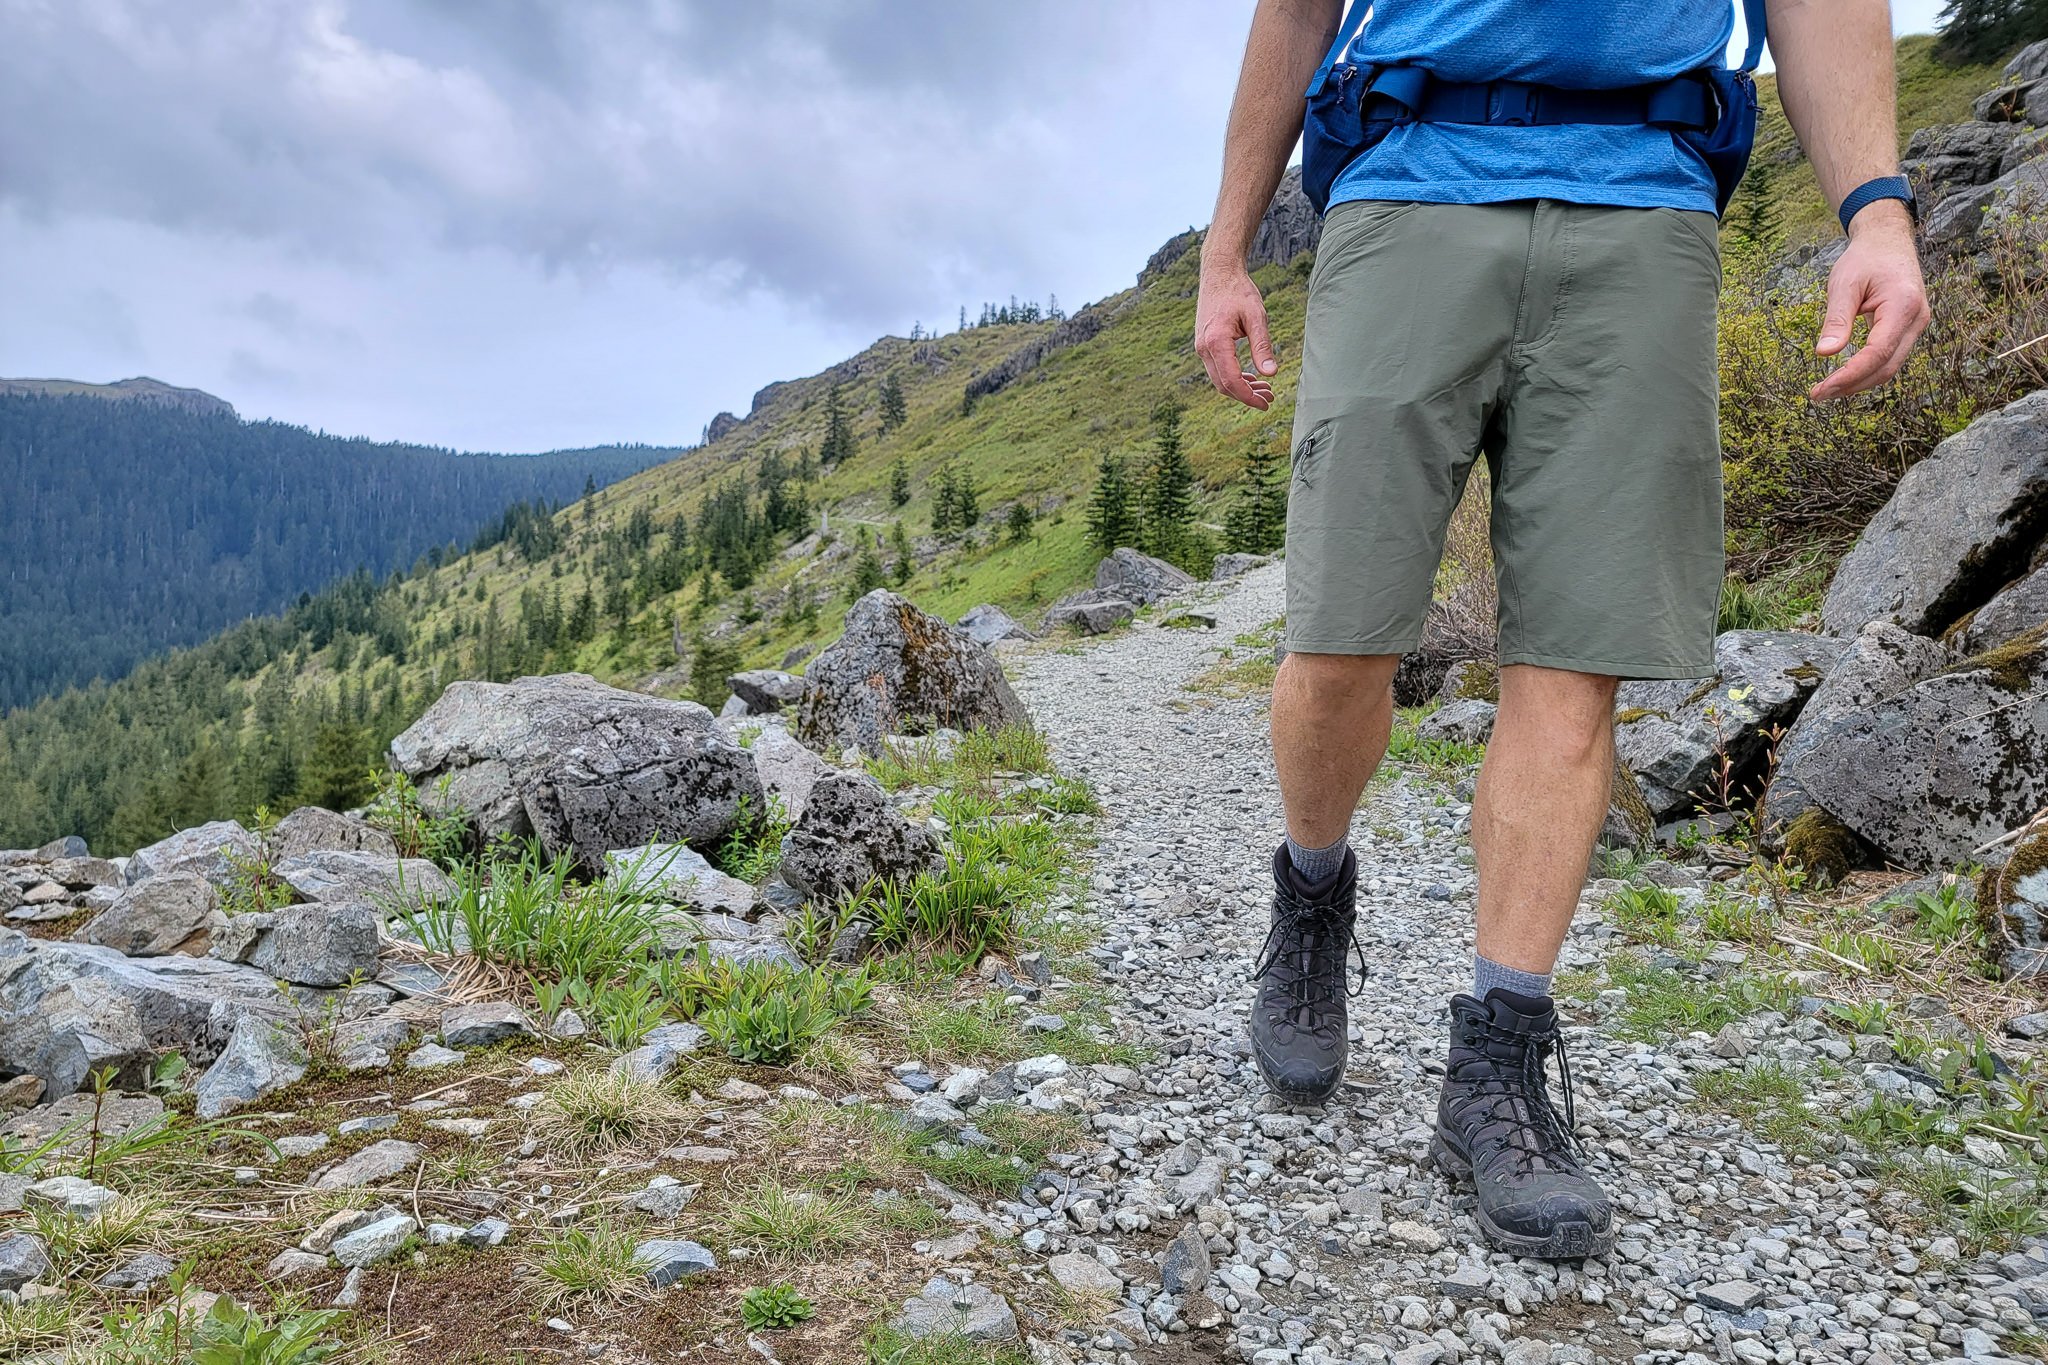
1092 613
1930 775
155 917
766 690
1674 733
1961 523
1465 721
211 851
261 1056
851 834
322 944
584 767
788 769
310 829
1882 661
1975 216
985 625
1138 578
1951 154
2018 607
679 875
898 670
342 877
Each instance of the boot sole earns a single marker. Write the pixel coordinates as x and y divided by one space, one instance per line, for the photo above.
1295 1094
1575 1240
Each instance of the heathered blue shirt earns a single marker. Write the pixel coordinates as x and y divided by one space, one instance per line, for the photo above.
1579 44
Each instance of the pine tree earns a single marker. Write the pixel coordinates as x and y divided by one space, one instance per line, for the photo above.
337 770
867 569
943 518
839 441
899 482
1756 209
1017 523
1257 520
1168 522
899 545
895 412
1112 517
712 661
966 500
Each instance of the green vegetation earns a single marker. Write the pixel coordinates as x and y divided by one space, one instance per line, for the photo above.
774 1307
590 1266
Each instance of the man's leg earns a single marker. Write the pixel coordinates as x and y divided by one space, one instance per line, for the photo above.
1541 802
1331 717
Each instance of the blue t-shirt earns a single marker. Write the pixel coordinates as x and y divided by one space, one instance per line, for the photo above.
1578 44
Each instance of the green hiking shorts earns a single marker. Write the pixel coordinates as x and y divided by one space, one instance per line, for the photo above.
1573 347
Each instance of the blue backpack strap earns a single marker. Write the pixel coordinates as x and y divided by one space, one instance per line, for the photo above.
1354 20
1753 25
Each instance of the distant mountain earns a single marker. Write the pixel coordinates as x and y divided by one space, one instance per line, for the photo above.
142 517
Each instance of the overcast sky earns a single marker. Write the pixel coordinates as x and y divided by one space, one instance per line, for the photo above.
521 224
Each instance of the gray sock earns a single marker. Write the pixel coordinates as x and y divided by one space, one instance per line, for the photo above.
1317 864
1488 975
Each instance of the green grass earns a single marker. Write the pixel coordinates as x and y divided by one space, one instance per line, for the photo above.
590 1266
585 1114
1770 1101
886 1346
528 914
1662 1002
783 1223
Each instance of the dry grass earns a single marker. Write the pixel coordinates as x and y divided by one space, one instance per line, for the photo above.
596 1112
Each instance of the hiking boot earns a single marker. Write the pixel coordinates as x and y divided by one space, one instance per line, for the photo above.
1298 1020
1495 1123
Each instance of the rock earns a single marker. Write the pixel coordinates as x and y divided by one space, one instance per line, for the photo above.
787 768
1970 218
986 625
1139 578
733 709
1961 523
898 670
261 1056
584 767
293 1264
338 1224
319 944
375 1241
1882 661
766 690
378 1162
483 1023
210 851
1952 154
1470 680
2031 1026
1084 1274
1458 722
680 875
300 1145
2016 608
20 1092
82 873
1229 566
1732 1296
659 1052
380 879
1630 823
2013 902
431 1057
1673 734
138 1274
666 1260
1289 226
1185 1266
850 834
23 1260
69 1195
487 1233
1091 613
665 1198
155 917
310 829
968 1311
118 1114
1960 758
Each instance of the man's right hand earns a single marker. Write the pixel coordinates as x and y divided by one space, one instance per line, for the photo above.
1230 307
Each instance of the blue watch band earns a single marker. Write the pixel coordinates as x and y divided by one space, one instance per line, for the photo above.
1870 191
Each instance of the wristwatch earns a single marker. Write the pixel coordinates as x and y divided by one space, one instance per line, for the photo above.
1870 191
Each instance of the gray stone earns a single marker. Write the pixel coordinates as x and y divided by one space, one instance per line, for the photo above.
585 767
69 1195
659 1052
851 833
139 1273
157 916
1946 155
969 1311
431 1057
1732 1296
766 690
488 1232
2030 63
311 829
1229 566
374 1242
788 770
83 873
339 1224
1881 661
261 1056
300 1145
117 1114
340 876
986 625
934 1113
1673 734
665 1198
1927 776
2016 608
680 875
293 1264
898 670
1083 1274
210 851
1960 524
1969 218
1185 1266
1090 613
665 1260
483 1023
2034 1025
1468 721
1139 578
378 1162
23 1260
319 944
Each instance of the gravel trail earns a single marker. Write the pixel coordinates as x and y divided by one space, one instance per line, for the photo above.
1329 1237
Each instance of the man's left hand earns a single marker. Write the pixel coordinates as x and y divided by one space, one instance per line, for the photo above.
1878 276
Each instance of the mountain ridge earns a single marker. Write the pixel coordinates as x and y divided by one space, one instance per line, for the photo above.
140 389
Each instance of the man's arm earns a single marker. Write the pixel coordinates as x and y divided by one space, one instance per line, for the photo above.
1835 77
1288 40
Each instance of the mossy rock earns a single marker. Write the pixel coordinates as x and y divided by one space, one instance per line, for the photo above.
2014 664
1631 824
1473 680
1995 884
1823 845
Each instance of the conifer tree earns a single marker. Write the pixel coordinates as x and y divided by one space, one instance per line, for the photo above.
1017 522
966 499
839 442
1168 520
1756 211
895 412
899 482
1257 520
712 661
1112 512
867 569
899 545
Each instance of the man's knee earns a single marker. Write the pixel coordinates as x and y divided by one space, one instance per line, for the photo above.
1336 680
1562 708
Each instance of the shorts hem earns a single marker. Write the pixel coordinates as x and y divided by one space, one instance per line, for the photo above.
1404 645
1612 668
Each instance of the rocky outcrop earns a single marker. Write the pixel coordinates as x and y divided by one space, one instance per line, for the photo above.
1955 154
2016 608
310 829
896 669
1138 578
382 879
156 916
986 625
1091 613
1961 523
766 690
852 834
1675 734
1082 326
211 851
1290 225
788 769
583 767
1929 775
1228 566
1967 217
307 945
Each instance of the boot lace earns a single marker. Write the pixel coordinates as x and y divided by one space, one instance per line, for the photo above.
1304 958
1512 1097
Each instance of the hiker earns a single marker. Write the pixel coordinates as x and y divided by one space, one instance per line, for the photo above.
1519 260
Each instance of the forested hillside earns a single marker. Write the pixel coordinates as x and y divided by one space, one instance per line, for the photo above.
137 526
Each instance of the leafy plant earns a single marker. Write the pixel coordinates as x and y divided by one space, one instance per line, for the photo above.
768 1013
230 1334
753 851
396 808
591 1264
1944 917
1646 912
252 886
529 915
774 1307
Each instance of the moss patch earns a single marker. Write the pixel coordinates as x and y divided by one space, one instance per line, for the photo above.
1630 715
1821 844
1995 883
2014 665
1478 680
